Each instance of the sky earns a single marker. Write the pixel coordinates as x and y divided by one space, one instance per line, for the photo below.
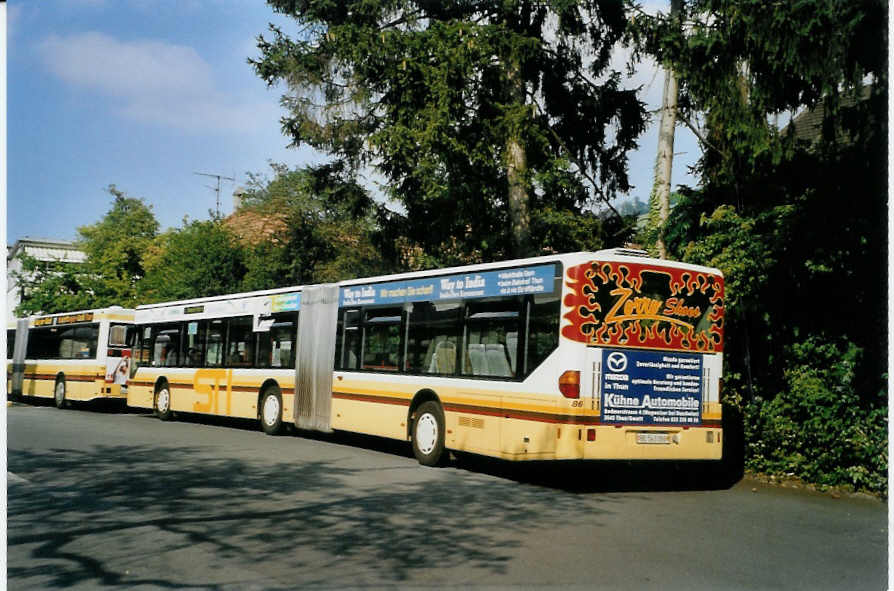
143 94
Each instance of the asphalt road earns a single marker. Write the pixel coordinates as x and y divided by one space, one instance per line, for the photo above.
112 499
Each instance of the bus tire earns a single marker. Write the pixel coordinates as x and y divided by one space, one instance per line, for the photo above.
162 402
270 411
428 434
59 393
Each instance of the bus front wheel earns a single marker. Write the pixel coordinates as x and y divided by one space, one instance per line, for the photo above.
163 402
428 434
271 411
59 393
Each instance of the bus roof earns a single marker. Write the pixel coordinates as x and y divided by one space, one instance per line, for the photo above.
219 298
612 254
257 301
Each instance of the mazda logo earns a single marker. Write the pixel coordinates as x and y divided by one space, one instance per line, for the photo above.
616 362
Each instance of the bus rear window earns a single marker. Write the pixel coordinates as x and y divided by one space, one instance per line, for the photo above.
118 335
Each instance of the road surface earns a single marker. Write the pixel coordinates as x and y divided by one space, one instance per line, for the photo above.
103 499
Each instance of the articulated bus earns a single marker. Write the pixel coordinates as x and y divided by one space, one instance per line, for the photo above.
78 356
605 355
230 355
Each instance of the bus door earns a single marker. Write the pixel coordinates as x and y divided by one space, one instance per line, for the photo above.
18 356
315 359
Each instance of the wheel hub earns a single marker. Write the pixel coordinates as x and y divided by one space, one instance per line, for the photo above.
426 433
163 400
271 410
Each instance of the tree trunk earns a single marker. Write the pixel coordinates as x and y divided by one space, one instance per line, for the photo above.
664 161
516 169
519 218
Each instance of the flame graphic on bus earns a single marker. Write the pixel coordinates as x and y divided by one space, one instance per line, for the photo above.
644 306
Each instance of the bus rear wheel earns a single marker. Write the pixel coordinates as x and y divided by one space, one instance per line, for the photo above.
163 402
59 393
271 411
428 434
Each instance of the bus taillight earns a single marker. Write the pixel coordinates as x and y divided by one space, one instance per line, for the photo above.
569 384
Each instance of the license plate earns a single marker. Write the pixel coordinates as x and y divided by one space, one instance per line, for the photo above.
652 438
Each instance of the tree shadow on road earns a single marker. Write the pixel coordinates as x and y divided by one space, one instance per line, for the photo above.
273 524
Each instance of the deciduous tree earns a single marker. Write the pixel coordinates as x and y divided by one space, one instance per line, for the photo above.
110 276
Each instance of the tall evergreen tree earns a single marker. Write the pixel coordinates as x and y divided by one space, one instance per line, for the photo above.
480 115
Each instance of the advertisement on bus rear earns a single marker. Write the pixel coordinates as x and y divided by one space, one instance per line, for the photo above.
651 388
644 306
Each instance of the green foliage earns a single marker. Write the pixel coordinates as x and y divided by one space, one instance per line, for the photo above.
793 217
742 62
433 93
111 274
51 287
322 228
745 248
200 259
821 427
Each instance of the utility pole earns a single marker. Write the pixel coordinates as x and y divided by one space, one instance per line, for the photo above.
217 188
665 159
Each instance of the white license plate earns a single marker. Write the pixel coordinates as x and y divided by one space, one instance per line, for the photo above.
652 438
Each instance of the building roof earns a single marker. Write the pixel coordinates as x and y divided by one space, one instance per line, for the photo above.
252 227
808 124
45 247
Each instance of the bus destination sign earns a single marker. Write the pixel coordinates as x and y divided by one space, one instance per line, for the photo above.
504 282
67 319
651 388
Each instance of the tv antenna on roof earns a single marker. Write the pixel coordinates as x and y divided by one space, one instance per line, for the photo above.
217 188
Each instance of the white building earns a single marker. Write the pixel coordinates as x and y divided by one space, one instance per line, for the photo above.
42 250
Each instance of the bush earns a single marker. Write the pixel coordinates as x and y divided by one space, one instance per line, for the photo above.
824 426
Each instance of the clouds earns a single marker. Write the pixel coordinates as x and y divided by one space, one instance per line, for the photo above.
156 83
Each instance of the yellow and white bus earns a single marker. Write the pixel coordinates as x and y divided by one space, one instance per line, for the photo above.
229 355
78 356
605 355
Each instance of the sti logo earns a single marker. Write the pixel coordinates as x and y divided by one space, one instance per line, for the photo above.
616 362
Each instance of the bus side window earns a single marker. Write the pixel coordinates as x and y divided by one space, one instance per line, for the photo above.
432 337
240 342
144 336
165 345
381 339
78 342
276 346
217 331
543 330
194 343
349 340
491 337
